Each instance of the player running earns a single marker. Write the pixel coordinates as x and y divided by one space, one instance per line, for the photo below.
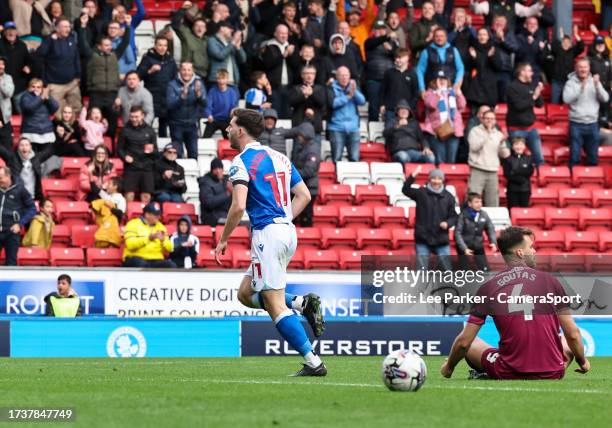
263 180
530 345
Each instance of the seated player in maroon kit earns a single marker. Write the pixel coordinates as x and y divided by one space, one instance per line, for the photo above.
531 346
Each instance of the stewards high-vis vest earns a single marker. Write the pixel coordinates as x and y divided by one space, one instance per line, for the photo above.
66 307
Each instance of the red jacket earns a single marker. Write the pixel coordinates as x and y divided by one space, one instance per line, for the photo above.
102 178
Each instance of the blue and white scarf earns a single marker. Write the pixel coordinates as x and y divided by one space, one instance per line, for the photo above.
450 112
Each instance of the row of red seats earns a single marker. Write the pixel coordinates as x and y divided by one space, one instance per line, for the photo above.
362 216
564 197
569 218
553 241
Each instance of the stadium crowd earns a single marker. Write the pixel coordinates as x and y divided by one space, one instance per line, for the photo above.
76 82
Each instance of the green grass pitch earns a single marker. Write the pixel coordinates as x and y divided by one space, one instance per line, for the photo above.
256 392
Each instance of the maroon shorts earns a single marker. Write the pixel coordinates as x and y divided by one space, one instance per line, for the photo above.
494 366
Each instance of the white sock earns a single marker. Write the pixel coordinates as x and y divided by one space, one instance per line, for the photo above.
297 303
312 360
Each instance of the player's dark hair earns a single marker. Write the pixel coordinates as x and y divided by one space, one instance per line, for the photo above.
473 195
64 277
511 237
252 121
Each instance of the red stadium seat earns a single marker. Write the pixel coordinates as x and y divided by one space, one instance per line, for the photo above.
595 219
501 111
72 166
104 257
544 196
240 237
527 217
309 237
569 197
598 262
32 257
390 217
297 261
455 171
206 259
540 113
338 238
374 239
401 238
588 175
323 215
561 218
602 198
84 236
561 155
371 195
552 134
241 259
67 257
321 259
225 151
550 240
425 170
59 189
335 194
351 260
372 152
173 211
408 251
72 212
605 154
118 164
134 209
576 240
327 173
204 234
568 263
605 241
554 175
356 217
62 235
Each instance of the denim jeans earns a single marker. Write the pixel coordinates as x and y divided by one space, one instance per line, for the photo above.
556 92
587 136
412 156
533 142
339 139
424 251
445 151
162 197
187 134
373 94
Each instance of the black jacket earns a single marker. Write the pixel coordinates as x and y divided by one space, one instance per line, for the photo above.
157 83
15 163
518 171
176 184
272 60
468 232
431 210
506 48
214 200
404 137
601 64
396 86
378 58
17 57
317 102
562 61
133 141
348 60
307 158
520 104
16 206
480 75
325 69
531 53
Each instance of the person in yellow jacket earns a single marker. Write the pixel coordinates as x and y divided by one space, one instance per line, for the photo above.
109 210
65 303
147 243
40 233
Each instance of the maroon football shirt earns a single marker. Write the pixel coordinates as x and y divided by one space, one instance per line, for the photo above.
529 331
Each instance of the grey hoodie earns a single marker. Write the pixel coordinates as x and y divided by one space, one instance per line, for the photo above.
584 104
140 97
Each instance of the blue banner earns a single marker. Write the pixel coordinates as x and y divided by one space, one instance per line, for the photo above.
338 299
26 297
33 338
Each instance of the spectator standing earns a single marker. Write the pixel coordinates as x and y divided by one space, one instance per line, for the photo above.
322 64
350 47
482 63
379 50
215 194
523 96
133 94
40 232
225 51
360 22
36 106
25 164
487 145
94 127
109 210
194 46
222 99
584 93
532 43
398 83
344 125
506 45
340 56
462 33
435 215
509 9
256 98
137 148
156 69
518 169
16 210
404 140
169 177
443 122
126 57
601 63
472 222
17 56
95 175
401 27
25 14
272 136
319 26
147 243
68 140
62 65
7 89
307 159
421 32
563 54
185 245
65 303
309 101
439 56
186 98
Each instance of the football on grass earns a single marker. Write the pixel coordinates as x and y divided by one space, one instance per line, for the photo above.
404 370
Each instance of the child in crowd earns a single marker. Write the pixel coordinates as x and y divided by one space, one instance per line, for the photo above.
186 246
222 99
109 212
560 59
518 169
257 98
472 222
94 128
40 233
